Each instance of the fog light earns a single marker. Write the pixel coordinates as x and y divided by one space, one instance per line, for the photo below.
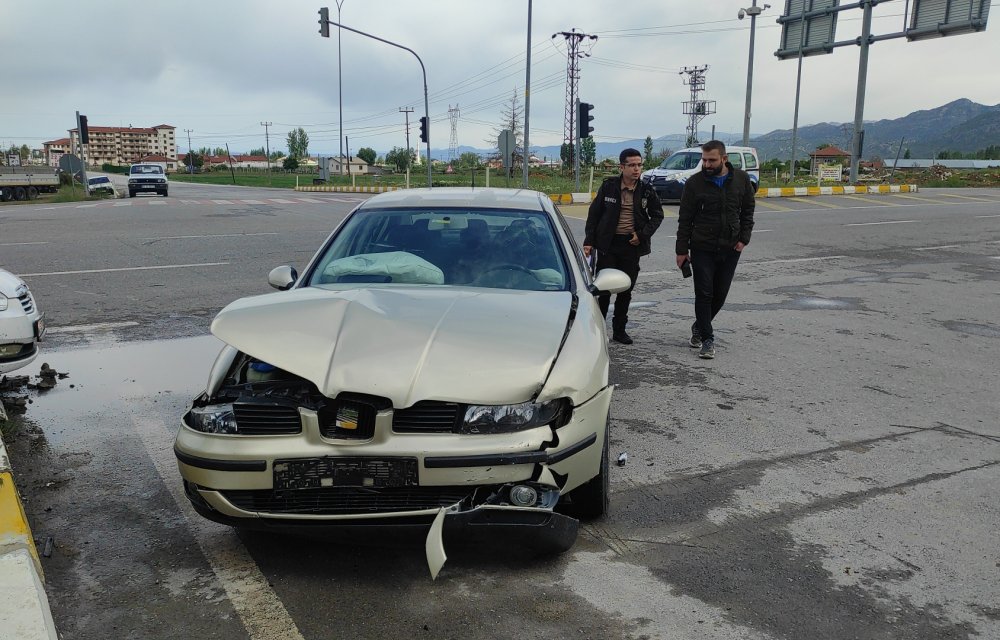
523 496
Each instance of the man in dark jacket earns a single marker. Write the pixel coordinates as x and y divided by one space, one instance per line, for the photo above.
622 218
713 227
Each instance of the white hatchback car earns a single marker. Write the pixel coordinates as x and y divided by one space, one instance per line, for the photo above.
441 362
22 325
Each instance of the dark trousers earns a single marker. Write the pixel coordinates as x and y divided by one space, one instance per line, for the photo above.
624 257
713 274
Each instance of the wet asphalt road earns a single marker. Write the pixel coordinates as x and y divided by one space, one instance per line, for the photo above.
832 474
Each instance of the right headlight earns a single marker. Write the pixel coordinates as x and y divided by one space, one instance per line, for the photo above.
212 418
3 303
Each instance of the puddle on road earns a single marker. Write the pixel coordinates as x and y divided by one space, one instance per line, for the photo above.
108 376
970 328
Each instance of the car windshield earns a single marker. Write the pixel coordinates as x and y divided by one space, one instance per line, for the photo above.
682 160
491 248
148 168
99 180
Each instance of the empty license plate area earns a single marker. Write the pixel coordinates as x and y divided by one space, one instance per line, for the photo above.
314 473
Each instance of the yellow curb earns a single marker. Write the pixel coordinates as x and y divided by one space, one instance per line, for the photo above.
792 192
14 530
317 188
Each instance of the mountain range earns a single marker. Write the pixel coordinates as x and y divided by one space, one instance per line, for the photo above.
961 125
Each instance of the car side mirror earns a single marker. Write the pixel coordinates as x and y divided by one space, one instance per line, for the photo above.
610 281
282 278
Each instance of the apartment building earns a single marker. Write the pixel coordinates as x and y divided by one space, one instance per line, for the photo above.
124 145
54 149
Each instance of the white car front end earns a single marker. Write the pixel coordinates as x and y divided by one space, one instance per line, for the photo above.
22 325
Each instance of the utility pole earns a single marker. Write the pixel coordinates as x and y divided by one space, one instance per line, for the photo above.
340 90
407 111
190 161
527 103
573 54
267 150
753 11
859 105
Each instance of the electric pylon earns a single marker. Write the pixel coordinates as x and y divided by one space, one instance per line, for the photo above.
453 114
573 54
696 109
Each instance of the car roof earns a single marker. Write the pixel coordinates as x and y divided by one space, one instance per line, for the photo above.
459 197
728 149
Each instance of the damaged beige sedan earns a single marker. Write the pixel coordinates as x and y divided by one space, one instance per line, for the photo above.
441 363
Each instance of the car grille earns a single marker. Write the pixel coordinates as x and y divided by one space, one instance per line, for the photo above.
266 419
346 500
426 417
26 302
348 419
147 180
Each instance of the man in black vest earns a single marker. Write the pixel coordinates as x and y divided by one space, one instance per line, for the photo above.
622 218
713 227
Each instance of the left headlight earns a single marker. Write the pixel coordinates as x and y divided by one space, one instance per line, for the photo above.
3 302
505 418
213 418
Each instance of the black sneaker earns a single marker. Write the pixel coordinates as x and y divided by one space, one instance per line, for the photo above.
695 340
707 349
622 337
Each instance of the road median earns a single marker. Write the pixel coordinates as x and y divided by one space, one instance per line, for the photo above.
24 606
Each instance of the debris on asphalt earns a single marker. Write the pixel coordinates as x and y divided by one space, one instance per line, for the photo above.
48 548
12 389
622 459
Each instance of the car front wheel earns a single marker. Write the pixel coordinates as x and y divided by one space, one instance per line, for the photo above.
593 499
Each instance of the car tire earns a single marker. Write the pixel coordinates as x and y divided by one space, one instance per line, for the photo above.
20 194
164 193
131 193
593 499
32 193
755 186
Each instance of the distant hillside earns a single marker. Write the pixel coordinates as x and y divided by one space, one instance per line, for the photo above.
961 125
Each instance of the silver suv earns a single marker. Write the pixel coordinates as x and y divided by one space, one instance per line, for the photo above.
147 178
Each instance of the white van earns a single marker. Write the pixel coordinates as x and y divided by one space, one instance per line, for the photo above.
668 179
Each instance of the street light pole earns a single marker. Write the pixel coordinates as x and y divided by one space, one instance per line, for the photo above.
753 11
427 108
340 92
527 102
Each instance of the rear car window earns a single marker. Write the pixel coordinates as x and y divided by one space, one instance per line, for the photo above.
751 160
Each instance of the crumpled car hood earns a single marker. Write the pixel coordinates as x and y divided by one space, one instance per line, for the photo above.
9 284
486 346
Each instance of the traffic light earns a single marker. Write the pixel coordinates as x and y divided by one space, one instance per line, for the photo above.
324 22
84 132
425 129
584 118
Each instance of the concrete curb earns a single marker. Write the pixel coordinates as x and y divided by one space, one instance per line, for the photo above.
348 189
790 192
24 606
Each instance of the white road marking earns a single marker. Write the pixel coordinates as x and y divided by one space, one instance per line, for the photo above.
190 202
156 203
122 204
869 224
944 246
789 260
214 235
92 327
993 216
260 610
252 202
86 206
165 266
18 244
313 200
281 201
223 202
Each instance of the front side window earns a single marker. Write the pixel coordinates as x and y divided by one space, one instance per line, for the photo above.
736 160
681 161
490 248
751 160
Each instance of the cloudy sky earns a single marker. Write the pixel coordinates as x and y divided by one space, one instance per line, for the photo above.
221 67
